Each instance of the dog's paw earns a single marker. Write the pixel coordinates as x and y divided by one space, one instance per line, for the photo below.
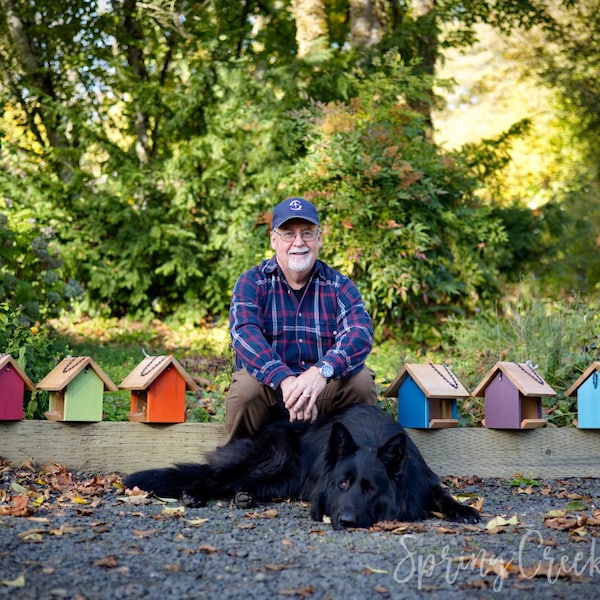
243 500
465 514
191 501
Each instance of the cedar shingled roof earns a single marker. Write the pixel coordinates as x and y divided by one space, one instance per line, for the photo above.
435 381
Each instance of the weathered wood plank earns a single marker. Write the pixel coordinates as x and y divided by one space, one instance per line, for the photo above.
125 447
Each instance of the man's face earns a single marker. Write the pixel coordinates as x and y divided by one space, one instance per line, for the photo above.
296 254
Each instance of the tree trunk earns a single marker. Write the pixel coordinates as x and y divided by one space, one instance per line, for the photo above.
423 12
134 37
312 33
367 22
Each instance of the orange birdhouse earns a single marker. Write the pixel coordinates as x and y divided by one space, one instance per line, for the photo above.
158 385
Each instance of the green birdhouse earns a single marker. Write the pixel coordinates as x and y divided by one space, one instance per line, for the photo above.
76 386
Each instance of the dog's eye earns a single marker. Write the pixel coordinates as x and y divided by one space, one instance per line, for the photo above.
344 484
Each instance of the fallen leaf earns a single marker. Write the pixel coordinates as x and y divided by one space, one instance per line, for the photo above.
196 522
32 535
269 513
304 591
18 582
144 533
173 511
276 567
368 569
500 522
19 508
109 562
575 505
18 488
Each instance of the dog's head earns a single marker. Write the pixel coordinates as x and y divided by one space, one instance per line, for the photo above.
359 486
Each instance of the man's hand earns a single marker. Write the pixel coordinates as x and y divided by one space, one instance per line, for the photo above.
300 394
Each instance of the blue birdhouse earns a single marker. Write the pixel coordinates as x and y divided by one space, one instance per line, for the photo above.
427 396
587 388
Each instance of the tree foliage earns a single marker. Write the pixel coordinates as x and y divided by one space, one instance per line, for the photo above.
152 139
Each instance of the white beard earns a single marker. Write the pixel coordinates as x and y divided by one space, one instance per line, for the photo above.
299 262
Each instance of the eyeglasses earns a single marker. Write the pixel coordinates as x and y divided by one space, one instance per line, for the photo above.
307 235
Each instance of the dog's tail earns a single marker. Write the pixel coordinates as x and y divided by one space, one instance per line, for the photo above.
170 482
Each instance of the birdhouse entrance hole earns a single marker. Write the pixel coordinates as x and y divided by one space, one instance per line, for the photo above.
442 413
531 413
139 406
56 410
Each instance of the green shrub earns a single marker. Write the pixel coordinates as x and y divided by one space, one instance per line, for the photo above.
36 349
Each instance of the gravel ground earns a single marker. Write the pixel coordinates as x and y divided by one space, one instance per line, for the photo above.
81 537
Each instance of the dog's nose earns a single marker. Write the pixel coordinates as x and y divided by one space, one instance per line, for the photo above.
347 519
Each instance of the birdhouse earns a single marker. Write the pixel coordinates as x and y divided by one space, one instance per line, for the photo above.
587 388
76 387
513 396
13 384
158 385
427 396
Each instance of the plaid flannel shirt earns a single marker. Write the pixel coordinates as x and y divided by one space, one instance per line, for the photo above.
275 336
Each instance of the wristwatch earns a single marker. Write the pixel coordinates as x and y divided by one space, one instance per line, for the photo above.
326 370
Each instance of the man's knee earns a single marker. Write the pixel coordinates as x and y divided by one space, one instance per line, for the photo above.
363 385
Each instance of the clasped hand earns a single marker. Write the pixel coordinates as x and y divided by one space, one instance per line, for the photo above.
300 394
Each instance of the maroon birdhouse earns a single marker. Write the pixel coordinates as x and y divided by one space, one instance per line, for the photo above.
158 385
76 386
513 396
427 396
13 385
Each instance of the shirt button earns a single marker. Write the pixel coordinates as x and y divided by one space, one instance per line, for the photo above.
300 340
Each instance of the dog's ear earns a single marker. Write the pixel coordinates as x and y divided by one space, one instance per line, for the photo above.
341 443
392 453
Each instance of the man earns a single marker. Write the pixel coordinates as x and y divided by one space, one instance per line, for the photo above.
300 331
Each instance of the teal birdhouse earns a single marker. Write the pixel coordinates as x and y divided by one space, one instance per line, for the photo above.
427 396
587 388
76 386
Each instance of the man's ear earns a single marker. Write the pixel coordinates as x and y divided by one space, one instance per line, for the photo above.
341 443
393 452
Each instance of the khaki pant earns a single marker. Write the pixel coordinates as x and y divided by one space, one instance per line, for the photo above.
249 403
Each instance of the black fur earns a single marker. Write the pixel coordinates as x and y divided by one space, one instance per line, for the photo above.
356 466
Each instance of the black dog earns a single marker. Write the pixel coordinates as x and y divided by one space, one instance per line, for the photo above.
356 466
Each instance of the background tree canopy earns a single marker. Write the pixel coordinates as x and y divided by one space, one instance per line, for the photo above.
143 144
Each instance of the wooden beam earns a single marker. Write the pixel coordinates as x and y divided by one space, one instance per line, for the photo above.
124 447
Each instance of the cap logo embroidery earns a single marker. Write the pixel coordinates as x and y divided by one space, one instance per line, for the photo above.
295 204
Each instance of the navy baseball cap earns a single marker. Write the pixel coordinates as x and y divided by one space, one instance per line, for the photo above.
294 208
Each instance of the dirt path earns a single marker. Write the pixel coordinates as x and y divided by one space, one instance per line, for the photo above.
77 535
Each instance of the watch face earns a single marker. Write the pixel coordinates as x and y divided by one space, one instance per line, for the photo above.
327 371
